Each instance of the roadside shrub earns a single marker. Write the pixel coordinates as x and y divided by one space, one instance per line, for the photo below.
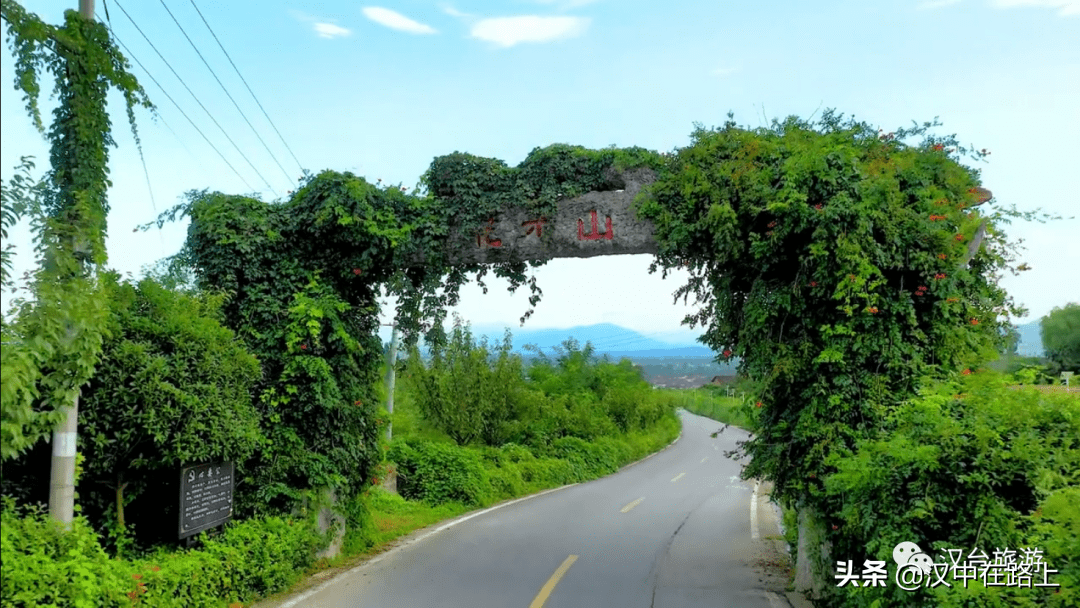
517 453
437 473
506 481
547 472
46 567
966 465
591 459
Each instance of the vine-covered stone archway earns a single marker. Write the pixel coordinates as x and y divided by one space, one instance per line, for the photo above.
840 264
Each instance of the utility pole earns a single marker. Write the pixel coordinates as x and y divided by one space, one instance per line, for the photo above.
390 380
62 472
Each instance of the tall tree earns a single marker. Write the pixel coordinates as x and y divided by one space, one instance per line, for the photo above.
1061 338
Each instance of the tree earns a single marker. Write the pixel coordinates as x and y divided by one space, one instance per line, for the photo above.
60 331
844 267
1060 332
173 388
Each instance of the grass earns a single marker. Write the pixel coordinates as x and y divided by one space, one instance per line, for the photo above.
709 402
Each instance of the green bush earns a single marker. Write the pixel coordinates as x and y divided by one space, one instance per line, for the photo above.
437 473
548 472
45 567
590 459
517 453
966 465
506 481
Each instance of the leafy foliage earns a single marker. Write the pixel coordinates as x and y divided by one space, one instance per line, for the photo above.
825 257
465 393
1060 332
56 341
44 566
966 465
173 388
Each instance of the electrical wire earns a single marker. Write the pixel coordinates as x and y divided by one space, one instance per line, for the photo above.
248 87
227 94
169 97
196 97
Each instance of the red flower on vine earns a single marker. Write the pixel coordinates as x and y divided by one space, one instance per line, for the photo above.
872 310
818 206
938 147
959 237
303 347
357 271
974 321
772 224
939 275
356 403
727 353
759 404
813 283
966 372
941 256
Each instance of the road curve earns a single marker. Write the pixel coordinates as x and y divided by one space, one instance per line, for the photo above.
677 530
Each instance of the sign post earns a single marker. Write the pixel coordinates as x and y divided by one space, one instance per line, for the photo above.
206 497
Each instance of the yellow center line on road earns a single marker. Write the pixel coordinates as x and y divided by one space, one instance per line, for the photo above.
637 502
549 586
678 477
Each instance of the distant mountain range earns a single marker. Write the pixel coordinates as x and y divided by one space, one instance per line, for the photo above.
617 341
606 338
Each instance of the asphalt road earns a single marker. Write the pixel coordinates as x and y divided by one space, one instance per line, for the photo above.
677 530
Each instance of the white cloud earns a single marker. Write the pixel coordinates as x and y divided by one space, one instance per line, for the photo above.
508 31
329 30
932 4
1068 8
724 71
453 12
323 29
396 21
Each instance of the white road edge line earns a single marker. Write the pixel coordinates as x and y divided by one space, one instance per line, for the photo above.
754 533
775 601
307 594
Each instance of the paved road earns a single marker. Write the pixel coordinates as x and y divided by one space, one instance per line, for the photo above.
674 531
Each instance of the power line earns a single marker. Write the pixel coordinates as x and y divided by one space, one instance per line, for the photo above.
248 87
193 95
166 93
227 94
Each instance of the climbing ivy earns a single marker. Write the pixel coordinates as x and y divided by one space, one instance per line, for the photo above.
55 343
842 266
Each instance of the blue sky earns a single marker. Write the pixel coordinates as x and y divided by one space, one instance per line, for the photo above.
380 90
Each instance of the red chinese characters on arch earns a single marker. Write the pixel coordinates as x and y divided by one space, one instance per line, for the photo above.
595 234
484 237
534 226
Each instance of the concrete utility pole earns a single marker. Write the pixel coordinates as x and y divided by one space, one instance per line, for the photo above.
62 471
390 376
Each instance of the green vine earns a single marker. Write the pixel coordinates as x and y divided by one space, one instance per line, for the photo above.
841 266
56 339
304 275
